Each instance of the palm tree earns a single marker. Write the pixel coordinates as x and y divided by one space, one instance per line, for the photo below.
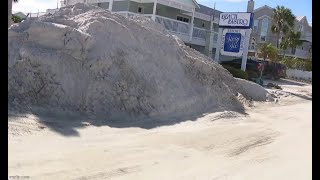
268 51
10 11
283 20
292 40
284 44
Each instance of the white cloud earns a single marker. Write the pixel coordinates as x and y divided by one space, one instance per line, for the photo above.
34 5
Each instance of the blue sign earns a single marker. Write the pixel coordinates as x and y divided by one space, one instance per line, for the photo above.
232 42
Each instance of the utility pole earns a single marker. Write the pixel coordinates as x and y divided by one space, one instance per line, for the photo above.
209 35
246 45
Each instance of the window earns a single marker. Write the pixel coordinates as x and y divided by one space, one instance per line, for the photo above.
140 10
264 29
202 25
183 19
255 25
253 43
215 27
300 28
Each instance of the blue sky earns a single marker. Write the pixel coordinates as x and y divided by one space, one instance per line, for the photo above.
298 7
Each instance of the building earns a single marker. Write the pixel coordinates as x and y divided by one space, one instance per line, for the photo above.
191 22
21 15
36 15
261 33
51 11
197 25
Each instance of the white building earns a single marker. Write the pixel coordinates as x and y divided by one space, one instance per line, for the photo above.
191 22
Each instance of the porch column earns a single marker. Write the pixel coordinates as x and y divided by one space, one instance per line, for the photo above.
110 5
218 48
209 39
153 17
191 26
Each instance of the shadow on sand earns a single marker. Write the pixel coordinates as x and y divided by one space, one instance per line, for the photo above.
286 82
66 123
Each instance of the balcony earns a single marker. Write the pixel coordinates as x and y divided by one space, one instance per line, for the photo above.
306 36
94 1
174 26
199 36
178 28
130 14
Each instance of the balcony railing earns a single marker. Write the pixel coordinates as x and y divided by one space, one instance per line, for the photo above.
94 1
130 14
179 28
306 36
199 33
172 25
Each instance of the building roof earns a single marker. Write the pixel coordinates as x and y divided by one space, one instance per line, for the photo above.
20 14
208 11
262 7
299 18
197 4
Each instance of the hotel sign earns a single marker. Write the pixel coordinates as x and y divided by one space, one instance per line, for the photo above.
236 20
232 42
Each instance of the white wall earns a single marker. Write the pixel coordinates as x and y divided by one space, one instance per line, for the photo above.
299 74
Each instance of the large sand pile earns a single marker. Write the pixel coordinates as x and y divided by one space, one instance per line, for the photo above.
88 59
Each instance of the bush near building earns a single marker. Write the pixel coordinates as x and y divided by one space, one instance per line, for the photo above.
238 73
16 19
296 63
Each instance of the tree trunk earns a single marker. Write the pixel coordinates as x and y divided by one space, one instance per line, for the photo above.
9 12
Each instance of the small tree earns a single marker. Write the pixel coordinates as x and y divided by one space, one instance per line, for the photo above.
268 51
10 11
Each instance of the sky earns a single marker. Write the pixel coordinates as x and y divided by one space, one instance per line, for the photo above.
298 7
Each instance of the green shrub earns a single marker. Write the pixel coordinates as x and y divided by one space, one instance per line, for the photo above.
308 65
252 74
238 73
16 19
296 63
288 62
